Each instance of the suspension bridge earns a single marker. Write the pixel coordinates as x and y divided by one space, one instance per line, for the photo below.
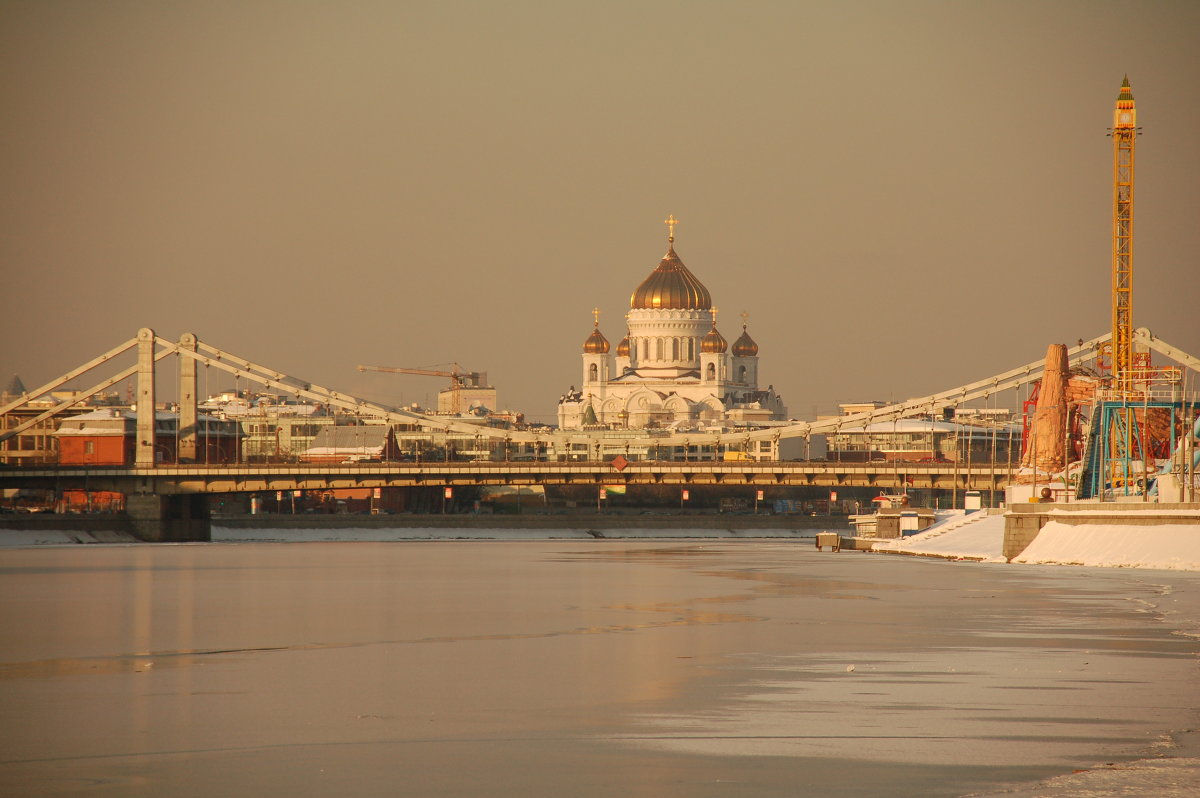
170 492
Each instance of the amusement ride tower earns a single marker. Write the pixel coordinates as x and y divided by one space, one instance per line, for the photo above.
1124 134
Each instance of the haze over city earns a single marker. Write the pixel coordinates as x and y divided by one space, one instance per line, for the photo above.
905 196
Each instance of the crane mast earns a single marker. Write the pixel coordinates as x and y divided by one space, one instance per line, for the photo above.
1124 135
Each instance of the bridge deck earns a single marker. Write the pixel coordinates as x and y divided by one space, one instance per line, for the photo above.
170 479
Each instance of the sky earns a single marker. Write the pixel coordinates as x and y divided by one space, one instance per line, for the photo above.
904 196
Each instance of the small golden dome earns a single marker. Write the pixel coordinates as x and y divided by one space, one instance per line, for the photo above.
596 343
623 347
744 346
713 343
671 287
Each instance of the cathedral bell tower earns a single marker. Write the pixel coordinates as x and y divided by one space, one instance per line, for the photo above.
714 365
595 359
744 363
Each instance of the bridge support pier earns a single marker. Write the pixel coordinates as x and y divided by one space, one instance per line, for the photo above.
168 519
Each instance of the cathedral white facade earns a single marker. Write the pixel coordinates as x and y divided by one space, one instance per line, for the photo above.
673 369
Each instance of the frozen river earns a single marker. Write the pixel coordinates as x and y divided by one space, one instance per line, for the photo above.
587 668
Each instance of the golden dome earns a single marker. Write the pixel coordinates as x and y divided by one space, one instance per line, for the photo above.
596 343
671 287
744 346
713 343
623 347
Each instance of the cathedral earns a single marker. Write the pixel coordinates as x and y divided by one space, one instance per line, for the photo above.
673 369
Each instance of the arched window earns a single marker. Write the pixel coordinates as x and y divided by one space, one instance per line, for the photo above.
658 349
593 372
712 371
741 373
691 348
674 348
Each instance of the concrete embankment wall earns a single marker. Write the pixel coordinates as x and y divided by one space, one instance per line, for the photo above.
1024 521
565 521
32 529
71 522
117 527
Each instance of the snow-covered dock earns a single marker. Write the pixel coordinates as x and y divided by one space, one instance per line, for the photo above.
1081 534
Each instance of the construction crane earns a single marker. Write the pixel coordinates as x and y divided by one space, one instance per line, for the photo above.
1124 135
459 379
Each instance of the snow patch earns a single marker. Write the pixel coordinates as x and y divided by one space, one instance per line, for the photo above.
1173 547
974 536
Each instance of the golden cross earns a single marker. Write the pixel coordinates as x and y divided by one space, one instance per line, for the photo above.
745 318
596 316
670 222
714 312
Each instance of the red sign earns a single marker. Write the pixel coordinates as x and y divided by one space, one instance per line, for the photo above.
759 495
833 495
603 493
685 495
620 462
378 492
448 493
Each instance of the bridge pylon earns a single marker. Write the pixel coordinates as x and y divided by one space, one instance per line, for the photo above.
144 452
188 414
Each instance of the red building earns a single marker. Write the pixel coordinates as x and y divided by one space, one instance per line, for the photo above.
94 501
108 436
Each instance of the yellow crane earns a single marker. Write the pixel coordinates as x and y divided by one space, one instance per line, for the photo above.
1124 135
459 378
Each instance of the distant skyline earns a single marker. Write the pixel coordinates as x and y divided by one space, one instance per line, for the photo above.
904 196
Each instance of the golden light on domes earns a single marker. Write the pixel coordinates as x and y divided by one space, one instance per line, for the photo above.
713 343
623 346
596 343
671 286
745 346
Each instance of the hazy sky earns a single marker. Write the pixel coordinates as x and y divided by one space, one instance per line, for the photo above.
905 196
